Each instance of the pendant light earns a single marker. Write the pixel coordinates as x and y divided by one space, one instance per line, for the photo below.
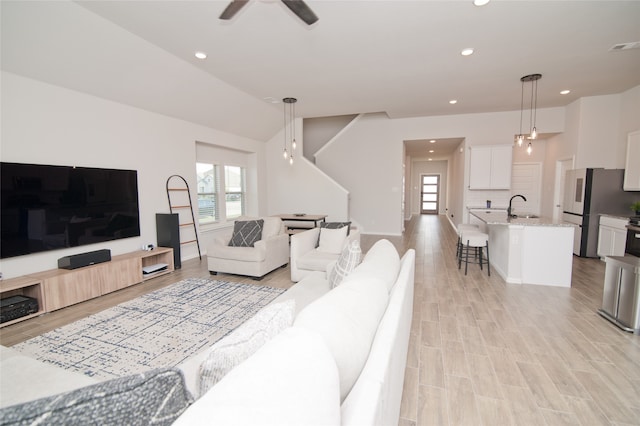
533 110
289 128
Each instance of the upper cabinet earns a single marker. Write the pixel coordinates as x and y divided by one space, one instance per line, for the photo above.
490 167
632 166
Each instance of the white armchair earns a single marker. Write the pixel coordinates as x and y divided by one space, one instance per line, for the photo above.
267 254
307 256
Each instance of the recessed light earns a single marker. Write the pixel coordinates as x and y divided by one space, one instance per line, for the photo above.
431 151
480 2
430 159
453 101
432 141
201 55
565 92
466 52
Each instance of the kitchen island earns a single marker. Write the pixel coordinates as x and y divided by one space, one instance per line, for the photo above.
529 249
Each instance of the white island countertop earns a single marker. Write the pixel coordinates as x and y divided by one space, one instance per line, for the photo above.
500 218
528 249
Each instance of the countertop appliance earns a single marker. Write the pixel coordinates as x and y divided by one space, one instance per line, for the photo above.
633 237
588 194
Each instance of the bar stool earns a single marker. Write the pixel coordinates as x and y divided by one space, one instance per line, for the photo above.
459 229
476 241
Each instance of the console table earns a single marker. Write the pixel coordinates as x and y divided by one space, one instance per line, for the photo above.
302 222
59 288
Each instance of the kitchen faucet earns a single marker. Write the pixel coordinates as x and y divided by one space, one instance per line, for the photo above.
510 200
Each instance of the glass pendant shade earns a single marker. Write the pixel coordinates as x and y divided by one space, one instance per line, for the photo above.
533 106
289 127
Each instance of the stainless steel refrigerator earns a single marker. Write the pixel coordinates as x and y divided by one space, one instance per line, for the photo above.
588 194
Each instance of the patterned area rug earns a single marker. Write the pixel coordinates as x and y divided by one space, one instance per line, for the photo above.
159 329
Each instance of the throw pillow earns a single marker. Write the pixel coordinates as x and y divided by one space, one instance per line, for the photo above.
246 233
155 397
242 342
332 240
336 225
348 260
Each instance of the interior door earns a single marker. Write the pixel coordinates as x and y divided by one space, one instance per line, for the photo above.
562 166
429 194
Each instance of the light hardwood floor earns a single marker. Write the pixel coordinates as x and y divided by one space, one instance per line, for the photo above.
482 352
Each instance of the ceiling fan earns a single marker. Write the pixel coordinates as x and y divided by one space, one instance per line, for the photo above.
298 7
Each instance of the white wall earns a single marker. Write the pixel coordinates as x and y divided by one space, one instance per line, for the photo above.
316 132
367 159
47 124
301 187
374 182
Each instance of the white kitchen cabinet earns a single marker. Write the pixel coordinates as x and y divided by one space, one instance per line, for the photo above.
632 166
612 236
490 167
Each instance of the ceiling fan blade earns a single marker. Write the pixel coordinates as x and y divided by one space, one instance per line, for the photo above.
301 9
233 8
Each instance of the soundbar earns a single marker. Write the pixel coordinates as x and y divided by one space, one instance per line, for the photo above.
84 259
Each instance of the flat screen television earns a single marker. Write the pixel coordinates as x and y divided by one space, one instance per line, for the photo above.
46 207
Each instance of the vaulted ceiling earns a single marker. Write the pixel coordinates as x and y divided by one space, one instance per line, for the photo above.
398 57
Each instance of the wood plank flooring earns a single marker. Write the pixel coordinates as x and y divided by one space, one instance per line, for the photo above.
482 352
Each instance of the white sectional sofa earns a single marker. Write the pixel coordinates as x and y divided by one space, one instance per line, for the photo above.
341 362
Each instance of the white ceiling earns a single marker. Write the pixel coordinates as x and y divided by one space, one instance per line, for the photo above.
398 57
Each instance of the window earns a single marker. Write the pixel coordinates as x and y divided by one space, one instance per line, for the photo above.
234 191
207 193
212 207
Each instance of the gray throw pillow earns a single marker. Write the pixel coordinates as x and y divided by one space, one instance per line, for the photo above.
246 233
155 397
336 225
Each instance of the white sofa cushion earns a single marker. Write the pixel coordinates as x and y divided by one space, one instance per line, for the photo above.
23 378
332 240
347 318
243 342
377 395
272 227
244 254
382 260
316 260
347 262
291 380
306 291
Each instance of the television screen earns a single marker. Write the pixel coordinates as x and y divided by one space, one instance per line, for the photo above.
54 207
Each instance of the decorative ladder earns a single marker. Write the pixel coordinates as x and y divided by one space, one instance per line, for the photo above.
181 204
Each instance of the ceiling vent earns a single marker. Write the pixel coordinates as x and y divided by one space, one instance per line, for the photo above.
625 46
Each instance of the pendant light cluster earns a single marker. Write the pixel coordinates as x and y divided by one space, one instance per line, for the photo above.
289 128
533 106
